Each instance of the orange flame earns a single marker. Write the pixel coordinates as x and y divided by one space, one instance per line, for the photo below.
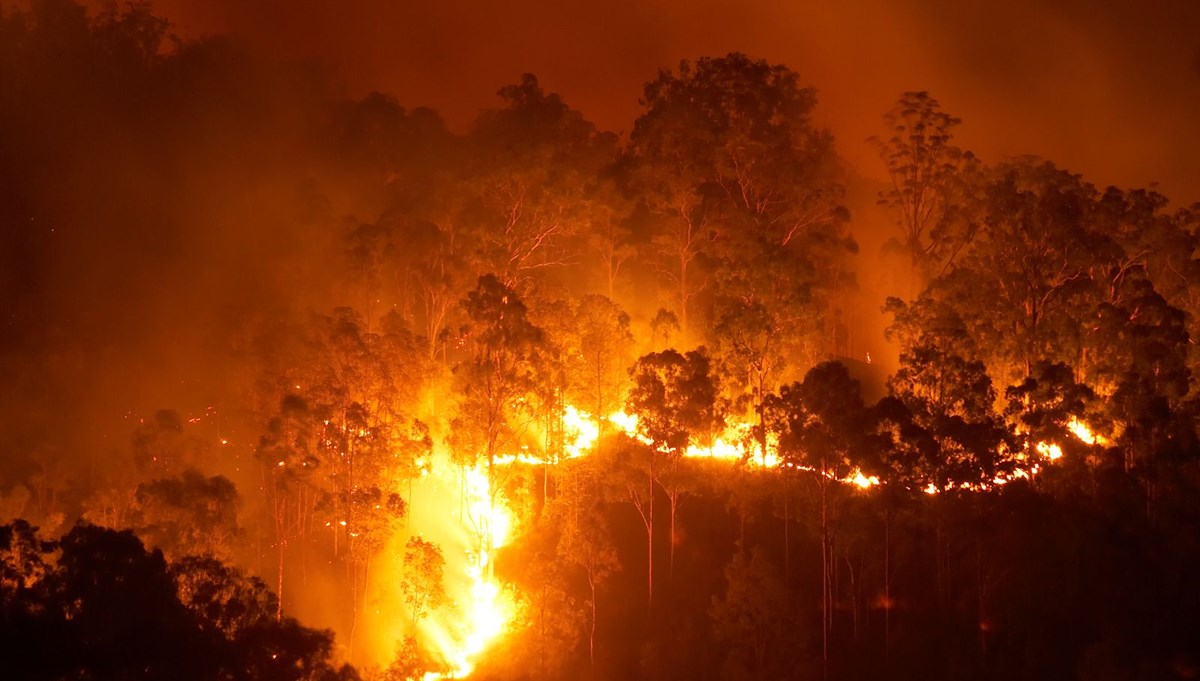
484 609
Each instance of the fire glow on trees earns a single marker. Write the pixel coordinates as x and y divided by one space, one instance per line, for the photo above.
416 455
483 610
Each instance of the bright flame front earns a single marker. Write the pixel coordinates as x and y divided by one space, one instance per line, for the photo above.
482 611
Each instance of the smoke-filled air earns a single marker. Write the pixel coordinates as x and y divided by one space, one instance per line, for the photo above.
378 341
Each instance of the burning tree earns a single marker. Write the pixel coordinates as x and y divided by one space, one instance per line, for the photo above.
497 379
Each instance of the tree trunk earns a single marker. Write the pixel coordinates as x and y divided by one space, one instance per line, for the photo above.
787 544
825 577
592 631
279 583
887 578
683 298
650 544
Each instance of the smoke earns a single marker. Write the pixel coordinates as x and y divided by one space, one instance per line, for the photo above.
1110 90
152 232
152 239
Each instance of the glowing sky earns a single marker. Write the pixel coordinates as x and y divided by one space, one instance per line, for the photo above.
1109 89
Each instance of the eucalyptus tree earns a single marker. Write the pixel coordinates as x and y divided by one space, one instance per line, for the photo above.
926 171
744 183
677 399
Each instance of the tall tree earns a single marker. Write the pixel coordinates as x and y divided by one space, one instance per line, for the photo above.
1033 259
952 398
537 159
498 378
605 352
676 398
584 539
421 578
753 617
752 359
188 515
821 424
924 167
727 155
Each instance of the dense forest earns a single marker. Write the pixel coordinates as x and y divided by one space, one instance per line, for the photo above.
298 385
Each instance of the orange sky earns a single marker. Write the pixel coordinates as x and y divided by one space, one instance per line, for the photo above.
1109 89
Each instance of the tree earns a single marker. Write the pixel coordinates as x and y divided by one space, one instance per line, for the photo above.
498 378
413 661
226 600
537 159
548 626
287 455
752 617
374 515
608 237
675 398
421 578
122 615
662 326
951 398
1043 406
752 358
188 515
22 560
821 424
727 155
1033 259
584 539
924 166
605 348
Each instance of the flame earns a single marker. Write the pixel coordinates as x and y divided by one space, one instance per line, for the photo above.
485 611
1049 450
492 523
720 449
580 432
863 481
455 507
486 617
1081 430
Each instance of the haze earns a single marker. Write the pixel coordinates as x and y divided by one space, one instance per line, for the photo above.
1109 89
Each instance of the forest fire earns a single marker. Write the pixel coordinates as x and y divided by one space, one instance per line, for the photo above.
485 615
307 384
485 618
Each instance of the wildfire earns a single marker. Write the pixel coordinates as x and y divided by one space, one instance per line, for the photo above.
580 430
863 481
1049 450
1080 430
488 523
734 445
486 617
